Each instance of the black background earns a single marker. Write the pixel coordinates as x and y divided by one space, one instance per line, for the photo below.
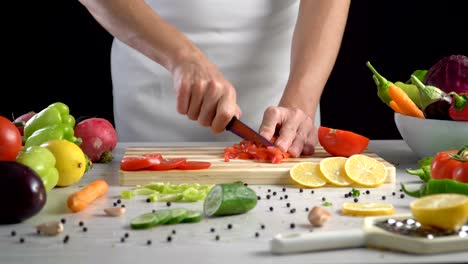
62 54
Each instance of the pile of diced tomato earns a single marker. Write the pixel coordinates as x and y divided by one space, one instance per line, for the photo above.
250 151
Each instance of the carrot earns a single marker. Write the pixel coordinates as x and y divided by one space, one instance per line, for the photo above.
404 102
395 107
79 200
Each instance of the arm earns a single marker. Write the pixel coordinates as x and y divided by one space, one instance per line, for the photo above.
315 45
203 94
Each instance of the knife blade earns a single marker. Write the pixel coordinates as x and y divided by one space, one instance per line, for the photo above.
244 131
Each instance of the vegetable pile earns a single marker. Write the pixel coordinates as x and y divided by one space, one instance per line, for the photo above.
438 93
248 150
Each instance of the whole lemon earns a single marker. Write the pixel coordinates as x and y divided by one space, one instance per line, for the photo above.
70 160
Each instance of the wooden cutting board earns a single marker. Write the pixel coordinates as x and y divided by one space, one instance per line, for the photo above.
248 171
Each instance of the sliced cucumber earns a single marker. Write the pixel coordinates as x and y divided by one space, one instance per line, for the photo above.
163 216
177 215
193 217
144 221
229 199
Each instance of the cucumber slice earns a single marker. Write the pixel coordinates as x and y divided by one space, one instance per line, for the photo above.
177 215
144 221
229 199
171 197
193 217
163 216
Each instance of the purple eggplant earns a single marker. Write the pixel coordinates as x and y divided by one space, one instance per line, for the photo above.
435 103
23 192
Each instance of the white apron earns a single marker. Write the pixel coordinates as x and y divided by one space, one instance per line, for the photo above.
250 42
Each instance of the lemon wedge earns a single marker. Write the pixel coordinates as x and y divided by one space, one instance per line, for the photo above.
446 211
332 169
365 171
367 209
307 174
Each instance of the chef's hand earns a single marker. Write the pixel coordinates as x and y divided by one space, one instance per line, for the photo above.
294 128
204 95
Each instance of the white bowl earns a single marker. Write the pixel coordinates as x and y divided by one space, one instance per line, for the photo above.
426 137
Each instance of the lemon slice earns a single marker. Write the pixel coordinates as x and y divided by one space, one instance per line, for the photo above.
332 169
447 211
367 209
307 174
365 170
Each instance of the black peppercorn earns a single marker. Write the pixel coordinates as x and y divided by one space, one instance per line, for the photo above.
81 223
292 225
63 220
284 189
323 199
259 198
312 192
13 233
307 209
85 229
148 200
262 226
66 238
229 226
367 191
286 196
119 201
173 232
168 203
274 193
148 242
122 239
257 234
346 195
217 237
402 195
21 240
288 205
383 197
281 198
293 210
269 190
169 239
115 204
301 190
271 208
356 200
212 230
126 235
393 193
123 206
268 196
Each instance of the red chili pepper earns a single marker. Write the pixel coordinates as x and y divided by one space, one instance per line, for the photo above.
459 109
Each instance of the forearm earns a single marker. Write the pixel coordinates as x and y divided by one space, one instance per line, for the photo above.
315 45
136 24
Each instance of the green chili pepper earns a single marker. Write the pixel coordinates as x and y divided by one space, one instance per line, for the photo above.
434 186
424 171
58 131
382 87
54 114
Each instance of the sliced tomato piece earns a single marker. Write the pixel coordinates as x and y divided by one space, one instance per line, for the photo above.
132 163
341 142
155 158
168 164
194 165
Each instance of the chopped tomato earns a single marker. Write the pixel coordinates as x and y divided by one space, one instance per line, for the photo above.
249 150
194 165
341 142
132 163
168 164
155 158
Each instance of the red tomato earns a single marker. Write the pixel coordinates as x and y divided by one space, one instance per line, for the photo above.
155 158
250 151
341 142
451 164
194 165
168 164
132 163
10 140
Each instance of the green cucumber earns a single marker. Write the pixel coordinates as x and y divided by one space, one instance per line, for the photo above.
144 221
163 215
229 199
193 217
177 216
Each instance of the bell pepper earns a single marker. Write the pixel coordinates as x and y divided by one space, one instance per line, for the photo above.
55 114
42 161
59 131
383 85
458 111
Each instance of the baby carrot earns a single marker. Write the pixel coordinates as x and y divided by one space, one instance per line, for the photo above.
79 200
395 107
404 102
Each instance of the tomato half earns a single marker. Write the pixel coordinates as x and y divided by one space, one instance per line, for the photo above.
168 164
132 163
10 140
343 143
194 165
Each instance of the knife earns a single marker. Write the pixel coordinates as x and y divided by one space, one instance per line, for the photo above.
242 130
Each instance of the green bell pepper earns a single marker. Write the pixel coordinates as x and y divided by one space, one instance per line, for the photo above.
58 131
55 114
42 161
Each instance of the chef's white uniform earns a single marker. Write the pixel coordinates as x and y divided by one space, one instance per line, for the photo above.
250 42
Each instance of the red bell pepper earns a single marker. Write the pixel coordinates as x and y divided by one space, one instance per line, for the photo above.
459 108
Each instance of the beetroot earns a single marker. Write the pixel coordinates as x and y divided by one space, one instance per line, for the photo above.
450 74
21 120
98 137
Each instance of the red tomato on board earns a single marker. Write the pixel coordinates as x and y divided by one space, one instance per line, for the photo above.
133 163
10 140
451 164
248 150
194 165
168 164
343 143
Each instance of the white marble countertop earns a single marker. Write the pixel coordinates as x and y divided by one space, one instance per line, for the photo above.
194 243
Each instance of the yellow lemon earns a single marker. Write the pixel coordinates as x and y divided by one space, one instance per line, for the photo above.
367 209
364 170
70 160
307 174
447 211
332 169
